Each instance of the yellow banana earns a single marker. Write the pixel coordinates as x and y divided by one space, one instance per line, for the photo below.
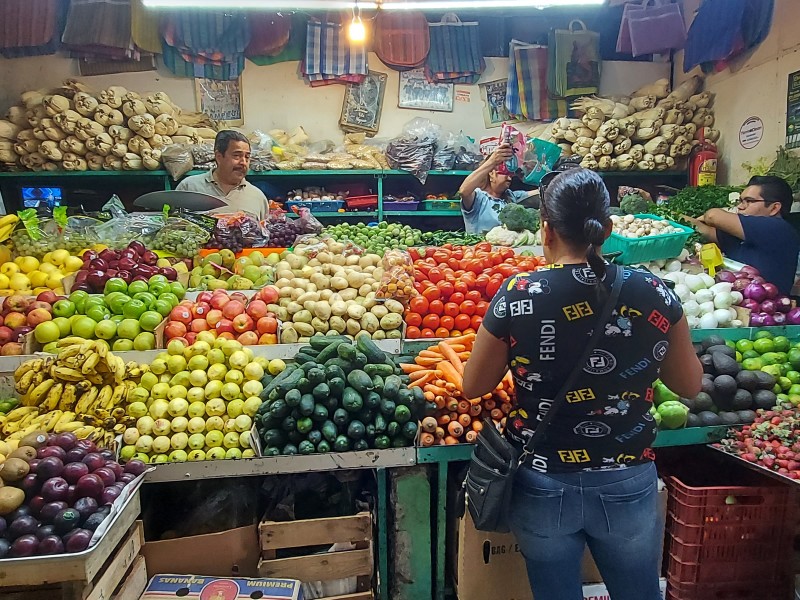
50 423
102 348
68 397
103 398
9 219
119 428
117 397
24 382
26 367
67 427
69 352
40 391
21 411
22 433
70 341
50 402
67 374
87 399
90 363
118 413
65 417
84 432
83 386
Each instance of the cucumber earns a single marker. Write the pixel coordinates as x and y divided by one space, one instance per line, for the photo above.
341 417
405 396
289 424
304 385
393 429
419 396
308 366
310 350
290 382
274 437
373 400
320 414
352 400
383 370
388 407
345 365
314 436
306 406
337 385
341 444
289 449
329 431
302 358
360 380
361 445
272 451
356 430
292 399
332 403
391 386
279 409
323 447
346 351
304 425
306 447
377 383
330 350
367 347
380 424
361 360
316 375
334 371
280 378
382 442
320 342
321 391
410 430
402 414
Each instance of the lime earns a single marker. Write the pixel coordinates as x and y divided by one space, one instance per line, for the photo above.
763 345
794 358
769 358
750 354
774 370
762 335
752 364
793 376
730 344
784 383
744 345
794 390
794 399
738 356
781 343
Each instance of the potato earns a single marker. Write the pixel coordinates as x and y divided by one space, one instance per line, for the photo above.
380 334
391 321
369 300
333 332
285 292
308 296
376 286
284 274
338 308
359 300
354 311
337 324
282 265
365 261
322 310
320 280
310 287
352 259
394 334
296 293
379 310
314 262
364 290
320 325
325 295
325 257
339 283
355 279
273 307
309 305
353 326
338 259
302 316
296 261
304 339
284 302
300 283
282 314
294 308
304 329
394 306
283 282
349 294
370 323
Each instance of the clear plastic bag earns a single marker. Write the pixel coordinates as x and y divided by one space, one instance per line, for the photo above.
445 156
35 236
413 151
177 159
308 222
79 233
180 237
123 228
238 231
468 155
397 281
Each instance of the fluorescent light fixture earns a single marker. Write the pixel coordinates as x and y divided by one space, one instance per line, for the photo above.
271 5
480 4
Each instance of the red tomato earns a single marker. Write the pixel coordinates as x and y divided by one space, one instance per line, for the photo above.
432 293
468 307
413 332
480 307
476 321
413 253
451 309
447 322
430 321
446 289
473 295
486 247
413 319
468 330
458 298
435 275
436 307
481 281
419 304
462 322
506 252
461 286
441 255
428 333
493 286
441 332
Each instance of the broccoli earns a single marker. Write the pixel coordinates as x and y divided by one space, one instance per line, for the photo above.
616 210
519 218
633 204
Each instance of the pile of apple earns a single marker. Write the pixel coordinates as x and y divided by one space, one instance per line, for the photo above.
223 271
222 315
196 403
132 263
28 276
19 315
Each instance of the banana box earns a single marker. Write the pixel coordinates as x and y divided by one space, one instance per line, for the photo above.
198 587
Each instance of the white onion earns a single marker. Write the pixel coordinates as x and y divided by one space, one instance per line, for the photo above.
706 307
736 323
691 308
673 266
722 316
723 300
682 292
693 321
703 296
694 283
718 288
707 279
660 263
708 321
737 297
683 255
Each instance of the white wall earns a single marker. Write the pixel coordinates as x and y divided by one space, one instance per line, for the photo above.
754 85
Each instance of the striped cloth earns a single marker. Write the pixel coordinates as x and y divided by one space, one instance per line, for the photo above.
145 28
526 93
330 58
31 27
99 28
455 55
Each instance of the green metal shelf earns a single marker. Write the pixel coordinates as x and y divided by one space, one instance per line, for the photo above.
30 174
422 213
342 215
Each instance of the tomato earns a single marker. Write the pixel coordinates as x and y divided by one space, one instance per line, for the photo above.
461 287
413 319
475 265
458 253
430 321
435 275
493 286
436 307
419 304
441 332
447 322
441 255
458 298
506 270
468 330
446 290
473 295
468 307
432 293
451 309
468 278
481 281
428 333
506 252
462 321
476 321
480 307
413 332
413 253
486 247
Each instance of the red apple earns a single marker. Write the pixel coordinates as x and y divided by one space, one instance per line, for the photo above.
17 303
232 309
48 296
19 333
15 319
269 294
225 335
39 315
201 309
268 338
2 319
38 304
239 296
187 303
199 325
11 349
248 338
242 323
219 300
224 326
175 329
214 316
191 337
267 325
204 297
257 309
182 314
5 334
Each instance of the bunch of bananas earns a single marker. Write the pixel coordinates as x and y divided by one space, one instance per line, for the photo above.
83 390
7 225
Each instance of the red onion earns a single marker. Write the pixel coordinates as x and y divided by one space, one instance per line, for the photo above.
725 277
768 320
772 290
768 306
783 304
757 319
793 316
752 271
741 283
758 279
755 291
779 318
750 304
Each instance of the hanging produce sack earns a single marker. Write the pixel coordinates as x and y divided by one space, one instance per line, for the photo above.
653 29
295 48
455 54
402 39
574 64
269 34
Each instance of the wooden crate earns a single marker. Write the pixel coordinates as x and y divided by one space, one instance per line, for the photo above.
326 566
123 576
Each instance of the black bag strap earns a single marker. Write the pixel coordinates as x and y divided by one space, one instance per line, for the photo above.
599 329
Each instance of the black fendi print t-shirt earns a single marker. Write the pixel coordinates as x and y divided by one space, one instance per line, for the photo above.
547 318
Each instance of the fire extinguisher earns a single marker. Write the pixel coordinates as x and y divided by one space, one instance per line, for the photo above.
703 162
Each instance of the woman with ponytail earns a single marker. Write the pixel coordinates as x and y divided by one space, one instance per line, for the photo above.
591 480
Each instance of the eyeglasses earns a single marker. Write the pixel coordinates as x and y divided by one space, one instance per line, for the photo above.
749 201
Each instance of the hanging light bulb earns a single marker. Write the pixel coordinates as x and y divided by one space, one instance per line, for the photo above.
356 32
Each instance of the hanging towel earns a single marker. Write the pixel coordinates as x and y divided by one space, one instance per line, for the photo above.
455 54
526 92
145 28
99 28
295 48
269 34
574 61
330 57
31 27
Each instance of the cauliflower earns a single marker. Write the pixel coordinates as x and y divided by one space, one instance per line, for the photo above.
500 236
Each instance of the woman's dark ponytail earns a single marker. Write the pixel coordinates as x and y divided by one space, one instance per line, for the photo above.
594 233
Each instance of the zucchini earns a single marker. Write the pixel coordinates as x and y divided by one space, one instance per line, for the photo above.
341 444
410 430
320 342
295 437
367 347
334 371
393 429
289 449
316 375
341 417
292 399
360 380
329 431
373 400
314 436
332 402
383 370
306 406
289 424
380 424
345 365
405 396
388 407
337 385
307 366
352 400
272 451
419 396
282 376
304 385
306 447
320 414
402 414
356 430
382 442
330 350
301 358
304 425
321 391
290 382
346 351
391 386
279 409
274 437
361 360
377 383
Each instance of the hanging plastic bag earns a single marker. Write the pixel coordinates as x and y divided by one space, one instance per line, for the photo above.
177 159
574 61
468 153
655 29
413 151
238 231
308 222
511 135
397 281
122 228
444 158
539 158
180 237
35 236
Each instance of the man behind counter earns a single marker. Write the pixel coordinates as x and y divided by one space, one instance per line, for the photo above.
227 181
758 235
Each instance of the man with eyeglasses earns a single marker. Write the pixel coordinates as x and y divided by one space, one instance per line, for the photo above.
758 235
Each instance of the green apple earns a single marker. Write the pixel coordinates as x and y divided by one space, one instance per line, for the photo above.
64 325
127 453
145 297
94 300
150 319
98 313
117 319
64 308
115 284
144 341
162 307
78 298
176 287
122 345
46 332
116 302
106 330
129 329
137 286
158 288
134 309
83 327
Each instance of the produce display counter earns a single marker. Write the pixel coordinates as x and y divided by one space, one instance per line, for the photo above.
754 467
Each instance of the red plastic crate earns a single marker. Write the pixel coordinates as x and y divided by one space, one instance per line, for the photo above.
362 202
726 550
774 565
725 532
758 589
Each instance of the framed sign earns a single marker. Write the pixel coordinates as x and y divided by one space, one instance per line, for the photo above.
418 93
220 100
363 102
793 111
751 132
495 113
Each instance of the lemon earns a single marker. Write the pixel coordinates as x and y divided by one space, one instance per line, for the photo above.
46 267
28 264
19 282
38 278
276 366
58 257
72 264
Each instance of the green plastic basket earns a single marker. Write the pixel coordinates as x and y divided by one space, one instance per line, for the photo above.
454 205
655 247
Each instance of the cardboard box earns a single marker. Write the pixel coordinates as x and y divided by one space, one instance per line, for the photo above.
202 587
485 563
598 591
230 553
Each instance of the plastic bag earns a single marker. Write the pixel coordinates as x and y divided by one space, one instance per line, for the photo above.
180 237
468 153
79 233
413 156
282 231
35 236
511 135
445 156
238 231
177 159
539 158
397 281
123 228
203 155
308 222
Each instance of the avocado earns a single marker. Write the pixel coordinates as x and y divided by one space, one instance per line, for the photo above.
724 364
693 420
742 400
698 349
708 364
712 340
747 380
722 349
703 402
688 403
708 385
764 399
708 419
728 418
746 416
765 380
724 391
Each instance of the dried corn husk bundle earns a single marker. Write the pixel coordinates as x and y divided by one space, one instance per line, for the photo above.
25 147
17 115
101 144
625 162
166 124
9 130
131 108
158 103
73 162
137 143
114 96
659 89
67 120
55 104
85 104
119 149
51 166
87 128
669 132
54 132
73 145
51 150
36 114
131 95
94 161
7 154
657 145
609 130
195 119
112 163
25 134
71 87
622 145
590 162
702 100
158 141
31 99
120 133
607 107
703 118
637 152
642 103
686 90
151 159
39 129
132 162
206 133
107 116
607 163
143 125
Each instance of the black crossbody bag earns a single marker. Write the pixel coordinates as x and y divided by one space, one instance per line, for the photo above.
495 460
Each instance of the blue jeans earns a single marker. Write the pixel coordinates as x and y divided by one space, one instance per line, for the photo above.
615 512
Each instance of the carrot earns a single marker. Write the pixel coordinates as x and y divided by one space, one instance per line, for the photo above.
451 374
452 404
465 420
457 347
427 362
450 441
439 402
439 391
503 395
450 387
450 355
439 433
443 420
430 353
421 381
507 379
463 407
462 339
429 396
487 396
421 373
427 439
477 425
428 424
464 355
475 401
496 414
489 404
407 369
475 410
455 429
471 437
